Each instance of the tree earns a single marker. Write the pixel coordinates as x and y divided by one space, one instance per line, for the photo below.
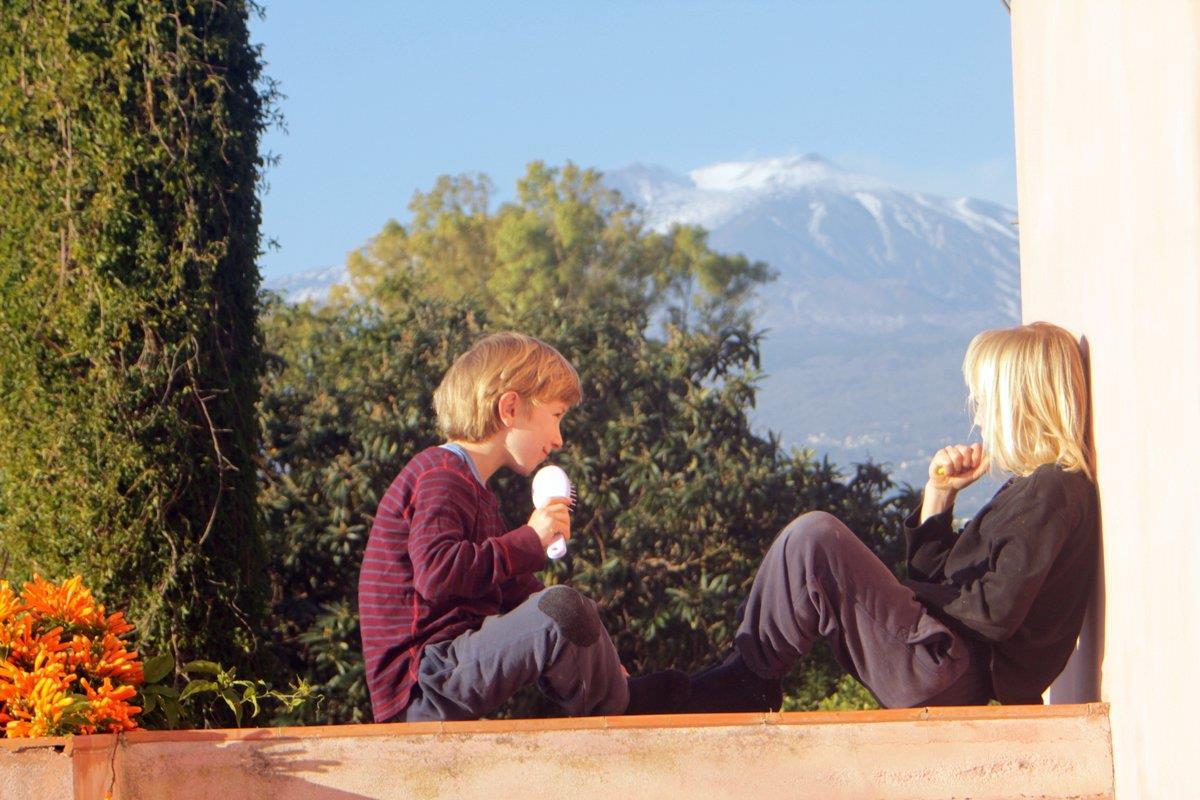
567 240
129 135
678 497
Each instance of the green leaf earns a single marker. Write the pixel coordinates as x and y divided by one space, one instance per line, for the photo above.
203 667
234 703
195 687
158 667
251 697
172 710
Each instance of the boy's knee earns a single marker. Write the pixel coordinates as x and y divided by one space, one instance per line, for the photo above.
572 613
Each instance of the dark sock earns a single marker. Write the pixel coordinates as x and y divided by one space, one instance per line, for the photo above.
663 692
732 686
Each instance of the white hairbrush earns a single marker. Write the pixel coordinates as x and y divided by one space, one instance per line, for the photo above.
551 482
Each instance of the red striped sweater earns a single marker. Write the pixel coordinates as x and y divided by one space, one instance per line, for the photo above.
438 561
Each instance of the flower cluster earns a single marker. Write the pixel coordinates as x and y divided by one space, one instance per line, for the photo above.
64 667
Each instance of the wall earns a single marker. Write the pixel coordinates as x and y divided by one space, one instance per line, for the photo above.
1048 752
1107 102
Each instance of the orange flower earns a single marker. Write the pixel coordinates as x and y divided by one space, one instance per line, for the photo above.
35 699
107 710
9 604
63 666
23 643
70 603
116 624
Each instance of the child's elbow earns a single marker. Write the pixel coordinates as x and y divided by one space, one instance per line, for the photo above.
431 586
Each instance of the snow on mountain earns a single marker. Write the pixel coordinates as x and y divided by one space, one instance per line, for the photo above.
852 252
879 290
312 284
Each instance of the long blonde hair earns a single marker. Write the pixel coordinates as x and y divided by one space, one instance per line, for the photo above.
1029 393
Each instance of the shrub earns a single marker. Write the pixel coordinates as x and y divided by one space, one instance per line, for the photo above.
65 666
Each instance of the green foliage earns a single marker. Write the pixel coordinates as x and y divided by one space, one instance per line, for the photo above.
679 497
214 695
827 688
567 241
345 406
850 695
128 312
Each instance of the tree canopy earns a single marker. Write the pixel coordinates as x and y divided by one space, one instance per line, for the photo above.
566 240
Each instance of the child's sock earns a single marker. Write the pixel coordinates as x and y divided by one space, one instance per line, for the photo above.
732 686
658 693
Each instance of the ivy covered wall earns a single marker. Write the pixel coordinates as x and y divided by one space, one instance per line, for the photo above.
129 156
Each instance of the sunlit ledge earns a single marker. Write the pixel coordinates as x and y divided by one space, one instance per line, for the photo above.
994 752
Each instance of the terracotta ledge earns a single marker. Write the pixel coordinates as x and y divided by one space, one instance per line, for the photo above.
42 743
939 714
992 751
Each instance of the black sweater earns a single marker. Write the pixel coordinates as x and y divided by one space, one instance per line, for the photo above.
1018 577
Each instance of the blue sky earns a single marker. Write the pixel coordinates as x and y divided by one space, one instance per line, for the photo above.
382 97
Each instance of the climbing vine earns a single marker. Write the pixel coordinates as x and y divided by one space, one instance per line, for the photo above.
129 342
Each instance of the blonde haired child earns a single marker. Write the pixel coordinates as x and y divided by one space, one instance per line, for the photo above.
989 613
1028 393
453 620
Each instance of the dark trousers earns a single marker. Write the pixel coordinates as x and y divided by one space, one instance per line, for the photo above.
818 579
554 639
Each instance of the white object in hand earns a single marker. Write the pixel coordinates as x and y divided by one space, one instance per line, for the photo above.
551 482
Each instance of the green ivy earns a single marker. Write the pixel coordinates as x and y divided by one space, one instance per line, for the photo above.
129 158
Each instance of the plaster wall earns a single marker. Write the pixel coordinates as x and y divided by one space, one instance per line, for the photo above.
35 769
1044 752
1107 112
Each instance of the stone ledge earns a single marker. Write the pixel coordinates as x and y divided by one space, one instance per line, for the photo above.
990 752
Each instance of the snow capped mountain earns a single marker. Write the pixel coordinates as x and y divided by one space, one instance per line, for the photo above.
852 252
879 290
710 196
313 284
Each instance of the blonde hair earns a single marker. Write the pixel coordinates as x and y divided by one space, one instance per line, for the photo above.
1029 391
467 399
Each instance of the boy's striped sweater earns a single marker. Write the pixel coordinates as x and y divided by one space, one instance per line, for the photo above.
439 560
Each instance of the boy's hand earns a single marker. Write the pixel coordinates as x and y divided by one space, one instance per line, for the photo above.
552 521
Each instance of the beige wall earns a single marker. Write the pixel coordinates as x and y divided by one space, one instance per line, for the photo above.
40 772
912 754
1107 102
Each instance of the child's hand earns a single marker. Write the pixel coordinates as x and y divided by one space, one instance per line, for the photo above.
552 521
956 467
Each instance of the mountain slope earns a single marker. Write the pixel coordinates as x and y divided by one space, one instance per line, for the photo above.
879 292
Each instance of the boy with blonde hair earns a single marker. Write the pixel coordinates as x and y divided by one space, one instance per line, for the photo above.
453 620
